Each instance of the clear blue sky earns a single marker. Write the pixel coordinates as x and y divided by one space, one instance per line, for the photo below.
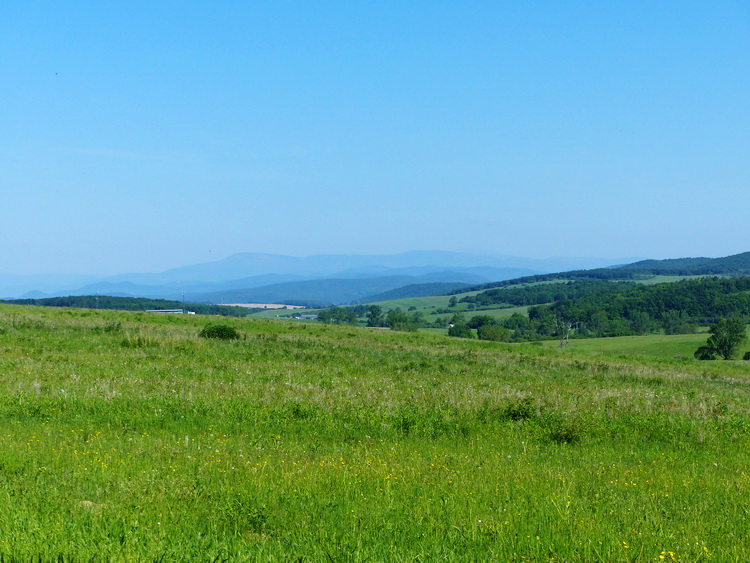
139 136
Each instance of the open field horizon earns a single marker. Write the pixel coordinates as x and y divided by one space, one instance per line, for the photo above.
126 435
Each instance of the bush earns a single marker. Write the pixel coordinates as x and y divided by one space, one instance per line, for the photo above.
522 409
460 331
495 333
705 353
222 332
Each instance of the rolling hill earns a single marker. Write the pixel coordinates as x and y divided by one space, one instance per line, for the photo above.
735 265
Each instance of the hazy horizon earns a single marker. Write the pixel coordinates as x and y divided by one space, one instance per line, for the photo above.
82 273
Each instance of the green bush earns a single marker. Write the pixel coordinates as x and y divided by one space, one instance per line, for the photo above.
222 332
460 331
495 333
705 353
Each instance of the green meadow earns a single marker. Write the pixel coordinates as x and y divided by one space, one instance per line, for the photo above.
428 302
127 436
677 346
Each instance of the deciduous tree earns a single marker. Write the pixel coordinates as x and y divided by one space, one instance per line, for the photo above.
726 336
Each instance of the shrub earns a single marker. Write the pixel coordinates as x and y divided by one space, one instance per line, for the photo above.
460 331
705 353
222 332
521 409
495 333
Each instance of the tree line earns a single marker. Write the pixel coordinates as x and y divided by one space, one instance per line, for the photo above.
132 304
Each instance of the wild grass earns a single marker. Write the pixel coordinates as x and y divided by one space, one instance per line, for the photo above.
125 435
676 346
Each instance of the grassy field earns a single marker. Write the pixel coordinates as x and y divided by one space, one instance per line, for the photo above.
678 346
127 436
651 280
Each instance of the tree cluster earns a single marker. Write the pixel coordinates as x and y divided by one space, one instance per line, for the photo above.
338 315
726 337
396 319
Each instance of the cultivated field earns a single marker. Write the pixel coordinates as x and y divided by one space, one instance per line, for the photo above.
127 436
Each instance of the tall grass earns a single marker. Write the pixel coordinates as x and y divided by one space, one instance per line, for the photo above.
125 436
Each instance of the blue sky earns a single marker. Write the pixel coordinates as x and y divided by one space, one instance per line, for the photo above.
140 136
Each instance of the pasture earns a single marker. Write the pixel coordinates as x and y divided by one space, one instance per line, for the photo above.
127 436
428 302
665 347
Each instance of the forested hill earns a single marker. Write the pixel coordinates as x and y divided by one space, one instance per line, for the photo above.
601 308
541 293
735 265
632 311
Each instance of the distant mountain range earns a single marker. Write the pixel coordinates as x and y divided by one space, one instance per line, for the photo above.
268 278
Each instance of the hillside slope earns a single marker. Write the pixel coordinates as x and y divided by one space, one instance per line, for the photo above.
735 265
